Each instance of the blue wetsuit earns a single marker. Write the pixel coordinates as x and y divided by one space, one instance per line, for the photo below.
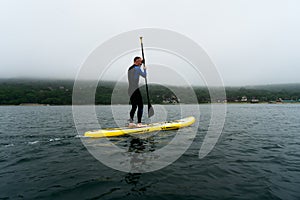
134 73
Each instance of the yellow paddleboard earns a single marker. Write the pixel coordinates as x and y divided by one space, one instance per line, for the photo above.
160 126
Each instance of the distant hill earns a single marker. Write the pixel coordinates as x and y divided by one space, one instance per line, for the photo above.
59 92
291 87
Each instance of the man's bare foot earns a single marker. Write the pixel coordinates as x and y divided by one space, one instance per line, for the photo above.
140 125
131 125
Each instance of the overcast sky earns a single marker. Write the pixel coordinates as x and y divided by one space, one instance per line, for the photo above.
250 41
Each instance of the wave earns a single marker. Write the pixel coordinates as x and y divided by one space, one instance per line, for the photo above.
34 142
9 145
54 139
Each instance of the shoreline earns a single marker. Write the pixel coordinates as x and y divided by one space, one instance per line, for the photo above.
237 103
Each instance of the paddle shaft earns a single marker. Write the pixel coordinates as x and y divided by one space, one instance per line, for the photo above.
147 91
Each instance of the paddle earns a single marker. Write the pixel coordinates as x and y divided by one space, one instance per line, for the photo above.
150 108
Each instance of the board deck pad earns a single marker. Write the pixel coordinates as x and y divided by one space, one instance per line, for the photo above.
159 126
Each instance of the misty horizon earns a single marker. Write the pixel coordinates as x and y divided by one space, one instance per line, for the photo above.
250 43
37 79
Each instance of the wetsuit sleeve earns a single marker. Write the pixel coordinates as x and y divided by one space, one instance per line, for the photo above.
140 72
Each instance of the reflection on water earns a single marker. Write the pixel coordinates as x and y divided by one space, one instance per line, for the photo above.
138 145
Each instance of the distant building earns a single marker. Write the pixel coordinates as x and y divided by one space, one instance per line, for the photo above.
254 100
279 100
244 99
172 100
288 101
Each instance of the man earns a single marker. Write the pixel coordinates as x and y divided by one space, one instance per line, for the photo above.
134 73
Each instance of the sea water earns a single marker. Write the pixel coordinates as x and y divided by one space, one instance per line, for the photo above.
256 157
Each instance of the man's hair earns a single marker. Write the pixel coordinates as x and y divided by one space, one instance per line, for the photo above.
136 58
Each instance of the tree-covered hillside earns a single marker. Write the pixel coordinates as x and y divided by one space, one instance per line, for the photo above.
59 92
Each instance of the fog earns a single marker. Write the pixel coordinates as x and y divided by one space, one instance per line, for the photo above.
250 42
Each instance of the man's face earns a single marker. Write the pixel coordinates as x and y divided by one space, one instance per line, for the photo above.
138 62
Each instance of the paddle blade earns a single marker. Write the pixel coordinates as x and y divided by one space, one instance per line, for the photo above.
150 111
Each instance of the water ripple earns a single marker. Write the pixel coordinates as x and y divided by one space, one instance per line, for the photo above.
257 157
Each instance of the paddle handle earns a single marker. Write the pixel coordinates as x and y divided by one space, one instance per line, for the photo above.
142 47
